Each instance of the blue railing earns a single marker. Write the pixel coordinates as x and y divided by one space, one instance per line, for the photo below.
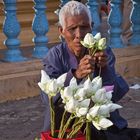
11 29
11 26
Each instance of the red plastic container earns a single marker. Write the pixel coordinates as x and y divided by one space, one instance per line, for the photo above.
46 136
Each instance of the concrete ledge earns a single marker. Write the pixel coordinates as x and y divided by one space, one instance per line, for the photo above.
128 61
19 80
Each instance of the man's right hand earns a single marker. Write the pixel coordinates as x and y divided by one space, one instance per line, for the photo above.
85 67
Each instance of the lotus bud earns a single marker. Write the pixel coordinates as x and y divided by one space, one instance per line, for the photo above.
97 36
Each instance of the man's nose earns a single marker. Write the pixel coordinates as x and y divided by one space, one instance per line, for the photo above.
78 33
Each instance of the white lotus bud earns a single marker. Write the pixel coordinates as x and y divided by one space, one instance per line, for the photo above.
102 42
89 39
97 36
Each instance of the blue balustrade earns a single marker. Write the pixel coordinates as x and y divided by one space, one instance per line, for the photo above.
93 6
115 21
135 18
40 27
11 29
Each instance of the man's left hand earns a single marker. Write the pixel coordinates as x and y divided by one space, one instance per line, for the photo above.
100 58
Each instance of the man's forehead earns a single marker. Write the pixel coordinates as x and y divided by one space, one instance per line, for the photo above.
77 19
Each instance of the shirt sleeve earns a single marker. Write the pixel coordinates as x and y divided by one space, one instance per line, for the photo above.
52 64
110 77
55 64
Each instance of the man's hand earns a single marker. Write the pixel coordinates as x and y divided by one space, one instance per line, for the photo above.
100 59
85 67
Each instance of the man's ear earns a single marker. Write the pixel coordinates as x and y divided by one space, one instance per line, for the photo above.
60 29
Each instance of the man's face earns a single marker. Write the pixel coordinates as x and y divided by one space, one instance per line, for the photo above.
76 27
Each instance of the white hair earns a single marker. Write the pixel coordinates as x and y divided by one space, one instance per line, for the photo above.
73 8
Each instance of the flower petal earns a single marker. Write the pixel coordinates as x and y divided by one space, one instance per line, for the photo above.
97 36
41 85
80 94
96 125
81 111
102 42
44 77
109 88
105 123
114 106
93 111
73 83
61 79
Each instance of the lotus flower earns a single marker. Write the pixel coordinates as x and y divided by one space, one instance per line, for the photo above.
88 41
51 86
101 44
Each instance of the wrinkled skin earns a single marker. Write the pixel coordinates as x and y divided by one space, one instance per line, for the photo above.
74 30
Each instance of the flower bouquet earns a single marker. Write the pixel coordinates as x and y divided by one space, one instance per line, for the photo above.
87 102
94 44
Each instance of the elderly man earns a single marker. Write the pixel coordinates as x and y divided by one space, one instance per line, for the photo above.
72 58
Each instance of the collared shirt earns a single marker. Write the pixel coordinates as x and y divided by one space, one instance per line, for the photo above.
60 60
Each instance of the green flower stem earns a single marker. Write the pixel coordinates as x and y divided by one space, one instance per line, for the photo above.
92 51
76 127
62 124
52 115
62 133
92 54
88 131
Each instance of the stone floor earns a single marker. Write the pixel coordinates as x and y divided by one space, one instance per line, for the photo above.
131 104
23 119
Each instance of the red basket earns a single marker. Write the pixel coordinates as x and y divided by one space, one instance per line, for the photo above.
46 136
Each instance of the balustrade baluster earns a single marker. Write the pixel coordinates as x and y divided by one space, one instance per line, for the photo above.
93 6
40 27
11 29
115 21
62 2
135 18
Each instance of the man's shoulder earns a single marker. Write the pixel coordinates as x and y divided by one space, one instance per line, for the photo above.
56 51
58 48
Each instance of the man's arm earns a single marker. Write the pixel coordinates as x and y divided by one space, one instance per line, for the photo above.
110 77
56 64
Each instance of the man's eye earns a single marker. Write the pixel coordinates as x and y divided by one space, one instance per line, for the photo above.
72 29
